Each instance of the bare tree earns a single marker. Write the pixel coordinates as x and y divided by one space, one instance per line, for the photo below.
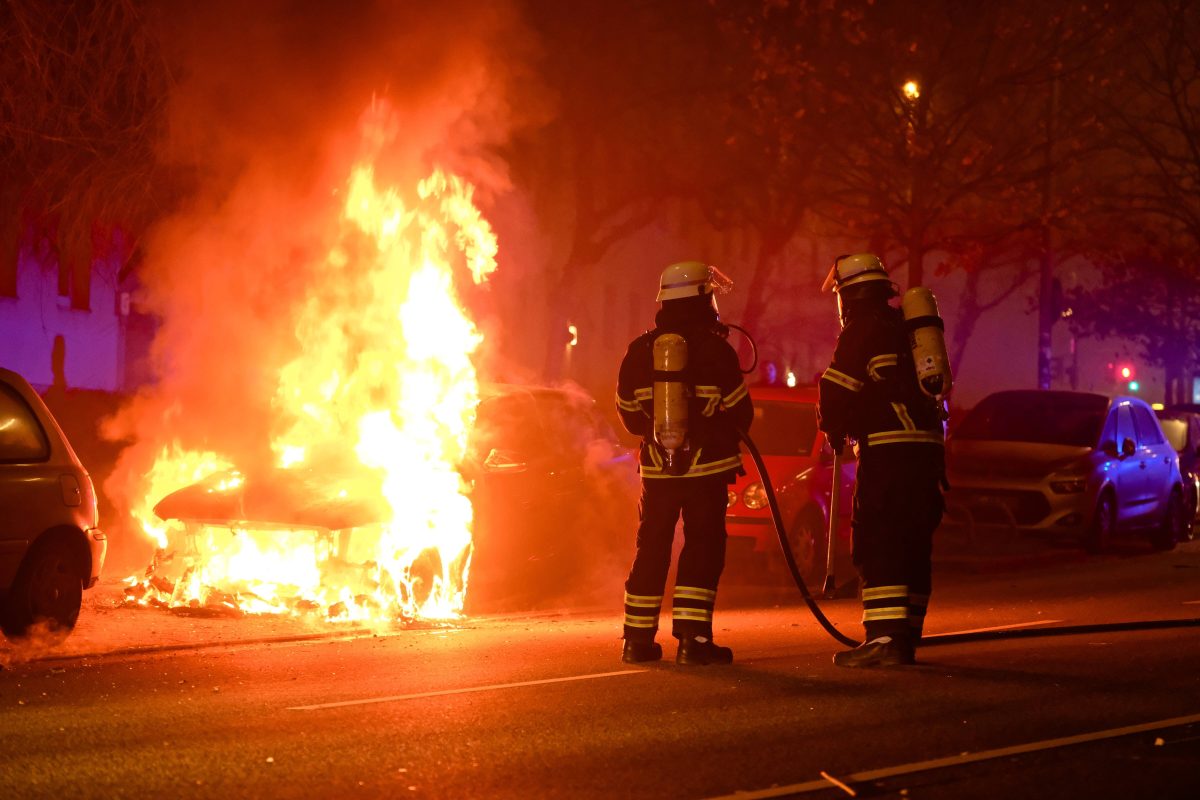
83 88
1150 234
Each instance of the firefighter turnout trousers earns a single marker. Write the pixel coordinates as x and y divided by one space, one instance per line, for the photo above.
897 506
701 501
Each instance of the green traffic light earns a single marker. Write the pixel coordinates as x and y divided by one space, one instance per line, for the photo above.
1134 386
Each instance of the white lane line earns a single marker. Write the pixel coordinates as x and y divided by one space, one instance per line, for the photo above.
998 628
965 758
397 697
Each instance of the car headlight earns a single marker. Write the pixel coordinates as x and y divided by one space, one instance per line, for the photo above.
755 497
730 498
1072 486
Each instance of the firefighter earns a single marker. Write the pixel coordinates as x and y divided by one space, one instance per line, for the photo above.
681 390
870 396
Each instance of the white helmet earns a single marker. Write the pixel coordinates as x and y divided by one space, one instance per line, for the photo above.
691 279
852 270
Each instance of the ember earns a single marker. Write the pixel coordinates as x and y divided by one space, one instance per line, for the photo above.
364 516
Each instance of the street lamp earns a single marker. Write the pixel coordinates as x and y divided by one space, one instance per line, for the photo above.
912 90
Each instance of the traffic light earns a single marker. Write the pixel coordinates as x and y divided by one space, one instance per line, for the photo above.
1124 373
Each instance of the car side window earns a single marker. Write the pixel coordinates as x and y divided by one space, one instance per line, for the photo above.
1109 434
1149 433
21 436
1125 428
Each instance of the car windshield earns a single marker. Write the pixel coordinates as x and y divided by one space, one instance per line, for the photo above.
1176 432
784 429
1039 417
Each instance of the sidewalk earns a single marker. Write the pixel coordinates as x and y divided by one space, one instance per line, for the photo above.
999 548
107 626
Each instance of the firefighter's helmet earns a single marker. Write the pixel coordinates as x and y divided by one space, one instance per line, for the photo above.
854 270
691 279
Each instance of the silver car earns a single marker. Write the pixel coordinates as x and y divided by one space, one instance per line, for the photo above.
50 546
1067 461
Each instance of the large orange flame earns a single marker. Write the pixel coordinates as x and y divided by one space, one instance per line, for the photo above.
382 394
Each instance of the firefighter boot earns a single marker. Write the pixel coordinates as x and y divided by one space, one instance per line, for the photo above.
700 650
636 652
884 651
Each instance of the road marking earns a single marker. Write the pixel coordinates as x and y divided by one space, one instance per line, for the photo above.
964 758
1191 602
397 697
998 628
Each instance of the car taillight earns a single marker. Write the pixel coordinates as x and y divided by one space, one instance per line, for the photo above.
730 498
754 497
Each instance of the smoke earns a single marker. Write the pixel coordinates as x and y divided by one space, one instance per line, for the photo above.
273 104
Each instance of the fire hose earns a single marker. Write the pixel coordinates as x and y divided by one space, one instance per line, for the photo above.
786 547
945 638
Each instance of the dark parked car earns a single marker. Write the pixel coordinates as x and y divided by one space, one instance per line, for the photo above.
800 466
1067 461
50 546
555 500
1182 429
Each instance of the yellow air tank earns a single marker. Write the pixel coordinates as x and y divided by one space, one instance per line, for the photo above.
926 336
671 400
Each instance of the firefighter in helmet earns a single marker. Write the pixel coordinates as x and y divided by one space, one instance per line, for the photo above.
681 390
870 394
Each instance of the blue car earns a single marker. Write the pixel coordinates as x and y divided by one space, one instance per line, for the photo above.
1068 462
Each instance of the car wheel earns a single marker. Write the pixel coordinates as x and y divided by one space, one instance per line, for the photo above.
1173 525
1104 522
48 589
1189 526
807 537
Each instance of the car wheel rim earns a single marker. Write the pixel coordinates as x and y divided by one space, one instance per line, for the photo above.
1105 525
803 543
54 590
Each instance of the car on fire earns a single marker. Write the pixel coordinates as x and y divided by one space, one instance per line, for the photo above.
51 546
1181 426
1077 463
800 465
554 498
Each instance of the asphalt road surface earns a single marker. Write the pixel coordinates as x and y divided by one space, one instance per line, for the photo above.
541 706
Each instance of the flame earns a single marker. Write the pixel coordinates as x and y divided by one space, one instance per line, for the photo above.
382 394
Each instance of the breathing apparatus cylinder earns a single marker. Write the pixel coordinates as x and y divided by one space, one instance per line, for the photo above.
926 336
671 402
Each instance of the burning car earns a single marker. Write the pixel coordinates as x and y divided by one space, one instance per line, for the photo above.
50 546
553 496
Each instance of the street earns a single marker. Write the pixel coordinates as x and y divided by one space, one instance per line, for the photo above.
541 706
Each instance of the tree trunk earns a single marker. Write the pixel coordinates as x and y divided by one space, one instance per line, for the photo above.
756 297
916 261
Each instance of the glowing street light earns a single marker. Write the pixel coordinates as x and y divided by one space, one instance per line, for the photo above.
912 90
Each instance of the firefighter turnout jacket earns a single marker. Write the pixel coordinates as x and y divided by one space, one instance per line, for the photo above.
870 392
719 403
